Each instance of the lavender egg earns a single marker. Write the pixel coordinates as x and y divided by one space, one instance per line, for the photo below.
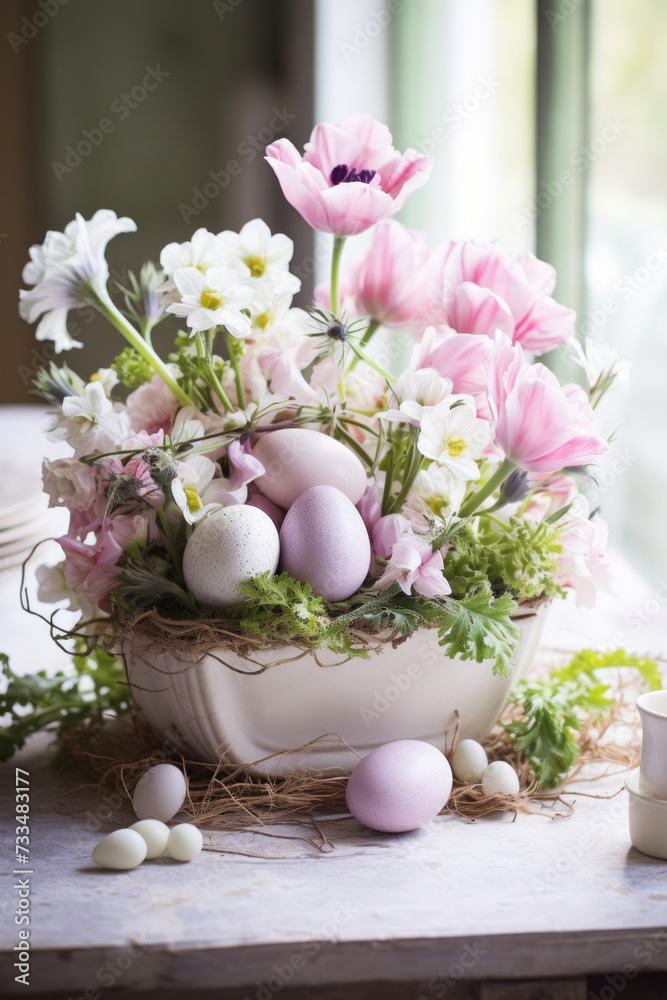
295 459
399 786
324 542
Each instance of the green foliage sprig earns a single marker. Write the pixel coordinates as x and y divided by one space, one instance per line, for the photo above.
553 709
91 686
520 556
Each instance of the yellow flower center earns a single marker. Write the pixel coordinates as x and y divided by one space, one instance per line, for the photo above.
210 299
193 499
455 447
263 320
257 266
436 504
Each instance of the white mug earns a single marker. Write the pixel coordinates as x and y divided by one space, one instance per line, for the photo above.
652 708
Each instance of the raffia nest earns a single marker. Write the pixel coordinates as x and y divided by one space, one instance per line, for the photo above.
194 638
223 796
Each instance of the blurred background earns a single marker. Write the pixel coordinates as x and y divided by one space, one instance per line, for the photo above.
546 120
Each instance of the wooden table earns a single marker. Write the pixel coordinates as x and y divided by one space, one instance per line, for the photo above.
453 909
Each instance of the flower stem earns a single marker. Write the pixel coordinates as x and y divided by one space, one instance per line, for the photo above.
234 357
115 316
373 324
362 356
496 480
219 391
339 243
414 466
354 445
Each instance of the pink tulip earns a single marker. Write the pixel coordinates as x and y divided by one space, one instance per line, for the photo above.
350 175
462 357
370 505
483 289
389 285
539 427
285 377
387 531
584 565
550 495
152 407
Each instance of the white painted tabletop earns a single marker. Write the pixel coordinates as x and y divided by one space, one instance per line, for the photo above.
498 899
533 897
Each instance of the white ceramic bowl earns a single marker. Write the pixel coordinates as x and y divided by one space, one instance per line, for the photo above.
217 707
648 819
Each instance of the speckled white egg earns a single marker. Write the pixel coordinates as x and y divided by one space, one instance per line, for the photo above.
159 793
324 542
228 548
500 778
155 833
399 786
121 850
295 459
469 761
185 842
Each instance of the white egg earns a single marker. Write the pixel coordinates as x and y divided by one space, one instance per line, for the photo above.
155 833
500 778
159 793
469 761
185 842
229 547
121 850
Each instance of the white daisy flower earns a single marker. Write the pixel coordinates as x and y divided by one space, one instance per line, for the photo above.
454 437
414 391
187 488
214 299
266 258
90 422
204 251
66 270
438 490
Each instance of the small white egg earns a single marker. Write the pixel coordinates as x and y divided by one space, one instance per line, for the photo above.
185 842
500 778
160 793
121 850
155 833
469 761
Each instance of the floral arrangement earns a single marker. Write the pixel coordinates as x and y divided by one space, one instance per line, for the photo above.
468 466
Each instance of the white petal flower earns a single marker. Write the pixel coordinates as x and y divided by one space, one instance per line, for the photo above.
214 299
440 491
204 251
187 489
91 423
264 256
414 391
454 437
107 378
52 587
603 364
65 270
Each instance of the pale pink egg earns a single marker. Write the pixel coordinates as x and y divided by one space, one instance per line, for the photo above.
276 513
295 459
399 786
324 542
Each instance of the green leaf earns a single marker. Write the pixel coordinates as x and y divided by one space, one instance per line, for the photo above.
480 627
92 686
281 607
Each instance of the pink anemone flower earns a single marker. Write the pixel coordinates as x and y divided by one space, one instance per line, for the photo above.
349 177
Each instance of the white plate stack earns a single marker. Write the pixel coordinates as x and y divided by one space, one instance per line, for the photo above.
24 517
